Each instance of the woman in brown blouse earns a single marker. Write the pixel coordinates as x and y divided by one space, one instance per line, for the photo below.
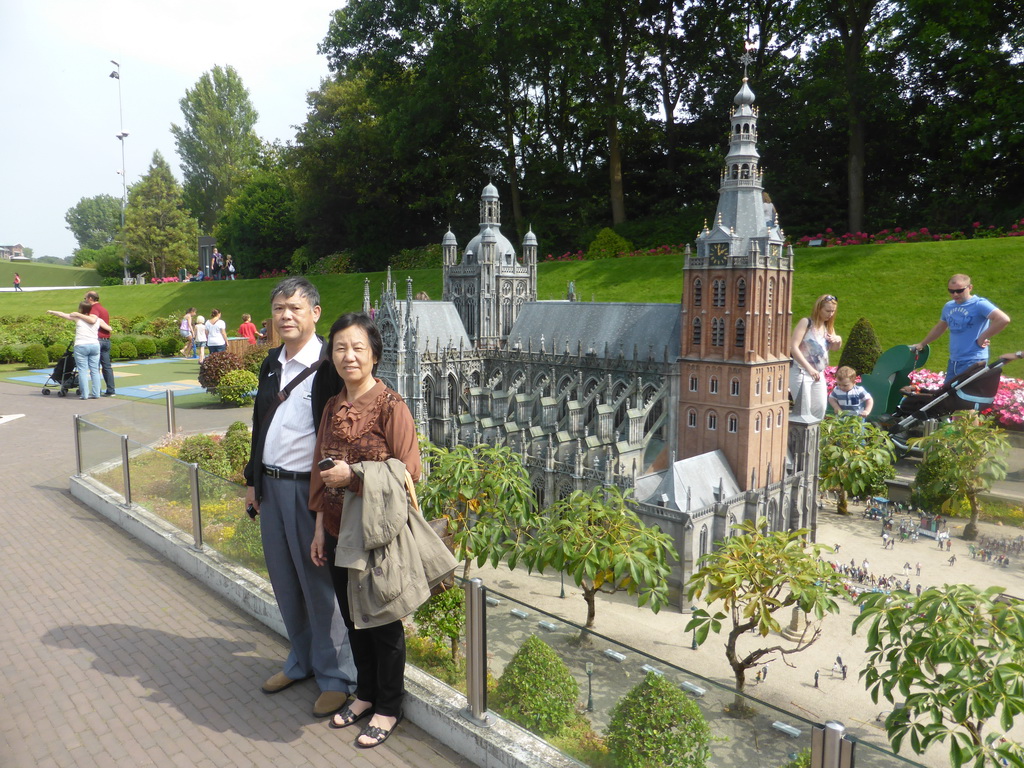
366 421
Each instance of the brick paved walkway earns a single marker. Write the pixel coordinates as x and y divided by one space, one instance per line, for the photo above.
110 656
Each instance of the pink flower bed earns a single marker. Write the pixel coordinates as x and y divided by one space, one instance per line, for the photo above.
830 239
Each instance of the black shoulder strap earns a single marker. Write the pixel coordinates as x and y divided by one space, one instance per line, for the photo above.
283 394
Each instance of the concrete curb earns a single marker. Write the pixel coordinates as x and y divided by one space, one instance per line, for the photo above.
430 704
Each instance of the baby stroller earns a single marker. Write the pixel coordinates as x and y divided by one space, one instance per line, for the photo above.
973 390
65 374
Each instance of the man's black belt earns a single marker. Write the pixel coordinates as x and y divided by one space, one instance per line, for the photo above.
283 474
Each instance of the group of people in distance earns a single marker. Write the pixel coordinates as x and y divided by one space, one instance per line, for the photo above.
328 438
201 335
221 268
972 321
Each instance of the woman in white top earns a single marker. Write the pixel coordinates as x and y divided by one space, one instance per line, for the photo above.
87 348
813 338
201 338
187 330
216 333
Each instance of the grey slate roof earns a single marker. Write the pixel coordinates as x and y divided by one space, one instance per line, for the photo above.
598 326
439 321
700 474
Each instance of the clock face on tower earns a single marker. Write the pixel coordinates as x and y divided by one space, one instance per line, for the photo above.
718 254
773 254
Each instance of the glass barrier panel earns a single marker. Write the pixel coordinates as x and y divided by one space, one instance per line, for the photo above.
226 526
143 420
101 456
160 484
747 731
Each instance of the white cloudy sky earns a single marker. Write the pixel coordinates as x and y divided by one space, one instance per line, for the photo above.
60 107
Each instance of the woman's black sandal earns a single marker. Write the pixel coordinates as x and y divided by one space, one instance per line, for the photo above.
378 734
348 717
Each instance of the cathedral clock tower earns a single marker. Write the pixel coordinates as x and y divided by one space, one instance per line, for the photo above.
734 357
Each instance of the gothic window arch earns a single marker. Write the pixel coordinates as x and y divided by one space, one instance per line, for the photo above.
770 296
717 332
734 387
768 384
735 171
757 423
657 409
704 541
768 420
768 333
734 423
718 293
779 420
746 127
453 395
691 418
741 334
695 337
757 388
741 292
712 420
746 171
694 382
698 287
713 385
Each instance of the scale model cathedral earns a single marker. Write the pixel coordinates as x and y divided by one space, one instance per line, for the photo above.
685 404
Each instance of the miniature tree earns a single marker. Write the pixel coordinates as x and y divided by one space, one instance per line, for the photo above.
657 724
855 458
595 538
954 654
862 349
536 689
961 461
758 575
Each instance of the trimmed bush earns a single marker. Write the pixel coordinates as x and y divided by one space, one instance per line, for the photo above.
861 350
237 444
9 354
607 245
169 346
36 356
125 350
146 347
211 458
215 366
253 358
237 387
536 690
657 724
55 351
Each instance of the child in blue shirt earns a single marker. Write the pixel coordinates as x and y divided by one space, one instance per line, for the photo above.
848 396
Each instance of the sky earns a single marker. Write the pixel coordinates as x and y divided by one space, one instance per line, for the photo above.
60 111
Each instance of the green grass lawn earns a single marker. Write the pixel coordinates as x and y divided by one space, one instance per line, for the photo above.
899 288
35 275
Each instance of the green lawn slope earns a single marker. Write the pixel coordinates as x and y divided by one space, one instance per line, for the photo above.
35 275
899 288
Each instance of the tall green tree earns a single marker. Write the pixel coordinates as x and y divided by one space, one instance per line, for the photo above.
757 575
601 543
953 657
257 226
94 221
158 228
217 142
856 458
962 459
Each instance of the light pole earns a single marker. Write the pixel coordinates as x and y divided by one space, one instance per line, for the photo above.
590 686
121 136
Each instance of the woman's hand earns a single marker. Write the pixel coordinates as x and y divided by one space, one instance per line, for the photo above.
317 551
338 476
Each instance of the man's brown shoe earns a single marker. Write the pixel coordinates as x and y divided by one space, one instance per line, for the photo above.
329 702
279 682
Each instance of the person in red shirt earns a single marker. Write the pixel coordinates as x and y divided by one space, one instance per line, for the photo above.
101 312
247 329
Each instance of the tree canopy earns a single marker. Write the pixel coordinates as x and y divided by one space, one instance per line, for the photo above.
94 221
856 458
217 142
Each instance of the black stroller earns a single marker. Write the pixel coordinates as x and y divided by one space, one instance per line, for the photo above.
973 390
65 374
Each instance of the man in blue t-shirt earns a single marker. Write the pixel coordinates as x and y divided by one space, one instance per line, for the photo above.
972 321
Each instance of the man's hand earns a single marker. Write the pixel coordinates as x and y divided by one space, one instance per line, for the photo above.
251 500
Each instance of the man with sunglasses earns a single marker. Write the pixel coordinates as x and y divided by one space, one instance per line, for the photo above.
971 320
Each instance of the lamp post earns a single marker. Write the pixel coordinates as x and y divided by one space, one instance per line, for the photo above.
693 639
561 577
121 136
590 686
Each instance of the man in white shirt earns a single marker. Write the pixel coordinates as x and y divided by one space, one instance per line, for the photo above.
277 476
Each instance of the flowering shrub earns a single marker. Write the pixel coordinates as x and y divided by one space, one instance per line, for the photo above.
156 280
830 239
273 273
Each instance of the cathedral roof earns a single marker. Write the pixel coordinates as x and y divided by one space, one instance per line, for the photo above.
698 475
598 326
439 325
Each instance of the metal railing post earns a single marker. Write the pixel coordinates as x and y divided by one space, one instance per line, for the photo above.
197 516
830 748
476 654
126 472
172 427
78 445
